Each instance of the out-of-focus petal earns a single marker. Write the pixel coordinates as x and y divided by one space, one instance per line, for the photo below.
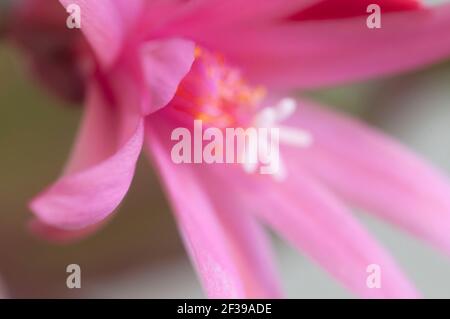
310 54
100 169
189 17
310 217
58 235
107 24
228 249
374 172
229 14
338 9
165 63
52 51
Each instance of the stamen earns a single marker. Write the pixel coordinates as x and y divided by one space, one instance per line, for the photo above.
285 109
295 137
216 93
270 117
250 158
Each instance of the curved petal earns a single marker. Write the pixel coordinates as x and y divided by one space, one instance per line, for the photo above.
237 13
107 24
310 217
37 28
310 54
165 63
338 9
100 170
229 14
377 174
58 235
229 250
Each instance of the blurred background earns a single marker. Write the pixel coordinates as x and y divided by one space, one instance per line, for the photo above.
138 254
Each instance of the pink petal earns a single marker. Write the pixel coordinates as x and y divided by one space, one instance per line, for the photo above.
37 28
107 24
229 250
374 172
100 170
229 14
191 16
165 64
129 11
319 53
338 9
58 235
302 211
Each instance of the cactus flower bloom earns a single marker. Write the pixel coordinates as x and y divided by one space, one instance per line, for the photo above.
153 66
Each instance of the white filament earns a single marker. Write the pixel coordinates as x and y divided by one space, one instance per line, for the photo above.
270 117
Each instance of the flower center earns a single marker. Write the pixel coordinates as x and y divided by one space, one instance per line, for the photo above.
216 93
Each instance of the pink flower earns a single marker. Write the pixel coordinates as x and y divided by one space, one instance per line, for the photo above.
161 64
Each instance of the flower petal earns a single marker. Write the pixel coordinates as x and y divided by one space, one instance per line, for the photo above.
231 13
100 170
377 174
106 24
301 210
165 63
58 235
37 28
310 54
338 9
229 250
191 16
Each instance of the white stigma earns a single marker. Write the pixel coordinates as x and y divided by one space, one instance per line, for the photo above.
271 117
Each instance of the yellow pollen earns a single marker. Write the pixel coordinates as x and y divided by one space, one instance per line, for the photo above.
216 93
197 52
